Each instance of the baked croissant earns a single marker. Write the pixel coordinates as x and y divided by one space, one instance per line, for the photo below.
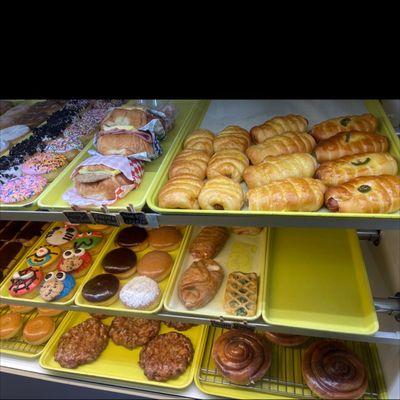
232 137
349 143
362 123
200 283
189 162
200 139
296 165
292 194
334 173
180 192
287 143
277 126
366 194
229 163
209 242
221 193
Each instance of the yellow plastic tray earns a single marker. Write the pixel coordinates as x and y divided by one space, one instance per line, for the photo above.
284 378
243 253
4 294
17 347
118 306
117 362
190 114
385 128
316 279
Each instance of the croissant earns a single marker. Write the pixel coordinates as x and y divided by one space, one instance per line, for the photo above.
287 143
232 137
200 283
331 127
229 163
334 173
189 162
209 242
366 194
292 194
221 193
349 143
180 192
200 139
296 165
277 126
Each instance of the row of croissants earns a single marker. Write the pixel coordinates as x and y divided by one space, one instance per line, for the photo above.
342 163
329 368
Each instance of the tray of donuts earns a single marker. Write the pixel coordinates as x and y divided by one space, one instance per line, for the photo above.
244 364
53 269
153 352
220 273
343 166
25 330
134 271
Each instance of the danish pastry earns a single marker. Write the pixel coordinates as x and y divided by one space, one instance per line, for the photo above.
232 137
209 242
189 162
229 163
366 194
296 165
180 192
326 129
277 126
349 143
292 194
334 173
221 193
200 139
287 143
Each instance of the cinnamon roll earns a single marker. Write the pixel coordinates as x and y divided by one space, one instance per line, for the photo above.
283 339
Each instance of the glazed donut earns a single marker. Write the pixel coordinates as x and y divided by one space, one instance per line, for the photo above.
283 339
49 312
21 309
38 330
10 325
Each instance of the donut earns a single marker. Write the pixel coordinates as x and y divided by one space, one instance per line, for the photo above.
75 262
102 289
166 238
57 286
26 282
21 309
62 236
156 265
23 188
121 262
38 330
133 237
10 325
141 292
3 145
179 326
89 241
48 165
44 257
68 146
283 339
105 229
49 312
13 132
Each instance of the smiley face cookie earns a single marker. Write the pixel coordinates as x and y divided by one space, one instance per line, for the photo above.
75 262
26 282
45 257
57 286
89 241
62 236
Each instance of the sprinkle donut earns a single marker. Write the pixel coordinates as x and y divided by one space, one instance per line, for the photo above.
56 286
22 188
75 262
67 146
26 282
46 164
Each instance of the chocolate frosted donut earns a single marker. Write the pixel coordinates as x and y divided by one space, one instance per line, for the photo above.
120 261
131 237
101 288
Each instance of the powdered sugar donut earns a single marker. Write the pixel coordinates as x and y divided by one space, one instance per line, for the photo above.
19 189
67 146
48 165
141 292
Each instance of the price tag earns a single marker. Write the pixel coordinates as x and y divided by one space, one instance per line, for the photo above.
134 218
78 217
231 325
105 219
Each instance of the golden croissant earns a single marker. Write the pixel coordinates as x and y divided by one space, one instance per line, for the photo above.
362 123
366 194
349 143
209 242
180 192
275 168
229 163
232 137
287 143
334 173
189 162
292 194
221 193
277 126
200 139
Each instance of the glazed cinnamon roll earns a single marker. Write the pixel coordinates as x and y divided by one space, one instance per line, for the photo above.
283 339
242 356
332 371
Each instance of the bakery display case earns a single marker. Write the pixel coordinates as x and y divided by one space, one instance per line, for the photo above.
202 248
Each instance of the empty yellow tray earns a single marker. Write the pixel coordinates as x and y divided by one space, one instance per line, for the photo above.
316 279
117 362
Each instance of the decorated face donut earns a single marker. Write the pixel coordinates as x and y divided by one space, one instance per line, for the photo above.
56 285
25 281
59 236
88 240
43 256
74 261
